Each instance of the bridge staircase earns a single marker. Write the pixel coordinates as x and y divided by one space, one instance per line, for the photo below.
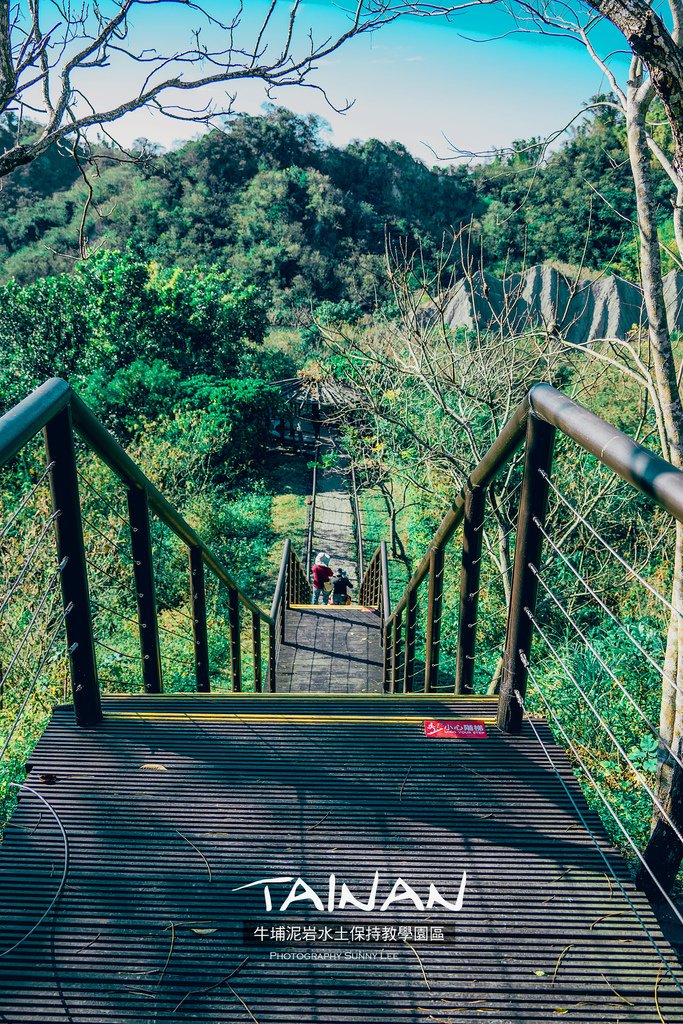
480 884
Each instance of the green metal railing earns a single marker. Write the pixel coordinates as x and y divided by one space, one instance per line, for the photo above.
55 409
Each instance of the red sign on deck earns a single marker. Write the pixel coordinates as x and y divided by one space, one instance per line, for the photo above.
455 730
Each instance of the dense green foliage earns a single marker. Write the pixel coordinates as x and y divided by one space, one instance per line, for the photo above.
306 222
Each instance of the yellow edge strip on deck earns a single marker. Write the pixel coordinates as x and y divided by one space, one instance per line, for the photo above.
303 695
301 719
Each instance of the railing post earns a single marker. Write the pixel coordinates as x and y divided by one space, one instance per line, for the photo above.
59 447
256 651
473 532
436 566
384 598
411 629
396 651
235 640
272 655
143 572
198 609
290 581
387 646
540 439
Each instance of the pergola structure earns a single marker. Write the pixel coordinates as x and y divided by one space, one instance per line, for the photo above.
315 399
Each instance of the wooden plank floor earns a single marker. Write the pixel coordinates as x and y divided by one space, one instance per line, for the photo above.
330 649
174 804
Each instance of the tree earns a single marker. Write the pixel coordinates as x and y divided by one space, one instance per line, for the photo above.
656 69
49 52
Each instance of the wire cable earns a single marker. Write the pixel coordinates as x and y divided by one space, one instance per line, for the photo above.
106 501
615 619
607 728
27 631
28 561
105 572
602 662
113 543
65 869
120 654
592 835
36 677
594 784
629 568
15 515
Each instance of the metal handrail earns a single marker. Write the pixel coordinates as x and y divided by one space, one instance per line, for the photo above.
359 523
311 519
59 412
496 458
533 423
291 588
374 592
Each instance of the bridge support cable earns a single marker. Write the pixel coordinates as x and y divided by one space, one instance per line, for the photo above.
655 945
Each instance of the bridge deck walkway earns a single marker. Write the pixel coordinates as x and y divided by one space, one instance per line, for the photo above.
330 649
175 803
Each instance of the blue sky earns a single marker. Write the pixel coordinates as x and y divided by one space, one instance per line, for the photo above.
418 81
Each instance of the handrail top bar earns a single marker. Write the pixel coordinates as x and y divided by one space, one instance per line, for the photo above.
507 442
23 422
386 596
280 585
370 564
640 467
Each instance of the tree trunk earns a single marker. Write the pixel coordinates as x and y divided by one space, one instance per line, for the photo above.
638 99
651 41
651 269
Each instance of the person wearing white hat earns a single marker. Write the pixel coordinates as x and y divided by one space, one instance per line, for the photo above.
322 574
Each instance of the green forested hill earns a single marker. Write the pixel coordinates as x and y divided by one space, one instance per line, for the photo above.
306 221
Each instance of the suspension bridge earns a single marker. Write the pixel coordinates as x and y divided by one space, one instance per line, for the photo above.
251 833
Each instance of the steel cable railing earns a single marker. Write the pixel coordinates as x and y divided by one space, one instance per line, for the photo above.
595 839
598 600
28 563
25 501
623 789
534 426
31 615
35 680
609 731
598 657
631 570
28 632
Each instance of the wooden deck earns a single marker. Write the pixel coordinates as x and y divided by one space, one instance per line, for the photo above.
175 803
330 649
